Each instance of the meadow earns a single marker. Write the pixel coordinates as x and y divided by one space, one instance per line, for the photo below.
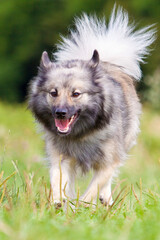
26 209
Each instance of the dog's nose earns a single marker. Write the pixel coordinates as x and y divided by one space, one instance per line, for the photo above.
61 112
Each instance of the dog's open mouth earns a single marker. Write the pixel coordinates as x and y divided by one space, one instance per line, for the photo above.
64 125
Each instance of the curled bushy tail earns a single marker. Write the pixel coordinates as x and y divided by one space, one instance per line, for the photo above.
117 42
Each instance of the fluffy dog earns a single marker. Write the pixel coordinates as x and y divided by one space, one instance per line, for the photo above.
86 101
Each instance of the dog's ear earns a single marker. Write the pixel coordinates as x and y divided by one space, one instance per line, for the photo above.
45 61
95 59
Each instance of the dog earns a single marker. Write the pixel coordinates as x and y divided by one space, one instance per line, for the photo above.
86 102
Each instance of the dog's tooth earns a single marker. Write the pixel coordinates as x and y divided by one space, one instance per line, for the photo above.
72 119
65 130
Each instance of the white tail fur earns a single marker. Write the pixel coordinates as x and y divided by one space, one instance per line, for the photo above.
116 43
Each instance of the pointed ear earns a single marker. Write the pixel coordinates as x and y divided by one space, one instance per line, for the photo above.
45 61
95 59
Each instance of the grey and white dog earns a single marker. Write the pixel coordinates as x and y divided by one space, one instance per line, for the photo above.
87 104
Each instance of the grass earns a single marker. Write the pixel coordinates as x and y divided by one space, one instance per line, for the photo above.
26 212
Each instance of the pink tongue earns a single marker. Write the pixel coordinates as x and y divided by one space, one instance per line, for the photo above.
62 123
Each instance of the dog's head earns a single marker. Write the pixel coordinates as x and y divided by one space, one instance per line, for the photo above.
66 97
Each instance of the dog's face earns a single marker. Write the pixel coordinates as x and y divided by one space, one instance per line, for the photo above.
66 97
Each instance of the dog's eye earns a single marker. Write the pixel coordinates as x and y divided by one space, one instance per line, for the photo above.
54 93
76 94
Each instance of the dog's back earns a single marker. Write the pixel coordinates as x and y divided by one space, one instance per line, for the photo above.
128 103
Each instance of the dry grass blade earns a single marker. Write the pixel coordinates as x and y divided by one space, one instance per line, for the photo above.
67 208
77 200
50 196
46 195
87 204
1 174
152 194
97 198
113 191
136 197
146 193
60 185
65 190
9 198
140 184
1 184
121 201
28 184
17 195
4 189
117 197
17 170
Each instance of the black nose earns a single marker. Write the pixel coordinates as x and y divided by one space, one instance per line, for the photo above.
61 112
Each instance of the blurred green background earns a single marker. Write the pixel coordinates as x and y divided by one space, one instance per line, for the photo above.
28 27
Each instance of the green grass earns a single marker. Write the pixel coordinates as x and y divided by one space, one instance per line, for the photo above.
25 209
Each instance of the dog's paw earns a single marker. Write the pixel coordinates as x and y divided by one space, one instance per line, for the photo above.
58 203
106 202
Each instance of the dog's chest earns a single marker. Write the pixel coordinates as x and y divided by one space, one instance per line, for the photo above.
87 154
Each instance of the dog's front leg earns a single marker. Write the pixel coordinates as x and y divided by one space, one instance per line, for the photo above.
98 182
105 195
62 175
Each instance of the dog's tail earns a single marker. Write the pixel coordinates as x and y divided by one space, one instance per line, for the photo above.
117 42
